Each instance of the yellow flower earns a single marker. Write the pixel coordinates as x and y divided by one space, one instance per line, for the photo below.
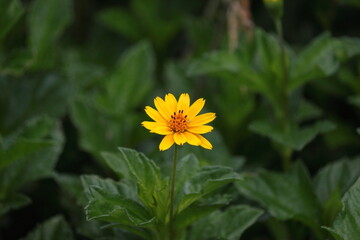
179 122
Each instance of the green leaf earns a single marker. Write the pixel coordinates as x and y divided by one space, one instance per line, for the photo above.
347 223
10 13
294 137
21 148
116 208
13 201
214 62
205 180
55 228
229 224
34 165
120 21
25 98
337 176
133 76
285 195
47 20
317 60
145 171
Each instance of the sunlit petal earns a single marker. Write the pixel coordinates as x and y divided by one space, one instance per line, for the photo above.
179 138
200 129
162 108
171 102
150 125
155 115
162 130
204 142
166 142
183 103
195 108
202 119
192 139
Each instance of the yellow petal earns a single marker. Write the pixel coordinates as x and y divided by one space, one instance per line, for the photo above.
155 115
162 108
179 138
170 101
200 129
150 125
184 102
204 142
195 108
202 119
167 142
162 130
192 139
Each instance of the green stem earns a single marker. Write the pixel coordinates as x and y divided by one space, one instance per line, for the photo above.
284 118
172 195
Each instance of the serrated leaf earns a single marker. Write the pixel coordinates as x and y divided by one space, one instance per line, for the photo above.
115 208
294 137
10 13
347 223
55 228
206 180
47 20
285 195
229 224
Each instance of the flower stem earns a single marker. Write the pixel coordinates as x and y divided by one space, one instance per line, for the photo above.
172 195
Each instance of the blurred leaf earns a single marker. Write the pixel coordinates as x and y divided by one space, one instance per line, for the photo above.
10 13
294 137
228 225
13 201
133 76
20 149
71 184
347 223
55 228
32 166
121 21
358 131
337 176
285 195
317 60
200 33
348 47
47 20
24 98
354 3
214 62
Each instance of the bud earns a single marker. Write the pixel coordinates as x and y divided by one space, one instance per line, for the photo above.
275 7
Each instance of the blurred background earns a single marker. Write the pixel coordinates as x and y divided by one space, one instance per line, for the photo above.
75 76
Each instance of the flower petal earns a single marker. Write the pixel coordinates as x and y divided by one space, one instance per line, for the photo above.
166 142
162 130
200 129
195 108
150 125
184 102
202 119
155 115
192 139
204 142
179 138
170 101
163 108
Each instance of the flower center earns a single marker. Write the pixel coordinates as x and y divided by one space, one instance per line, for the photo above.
178 122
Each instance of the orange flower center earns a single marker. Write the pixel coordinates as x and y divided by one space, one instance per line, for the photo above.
178 122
